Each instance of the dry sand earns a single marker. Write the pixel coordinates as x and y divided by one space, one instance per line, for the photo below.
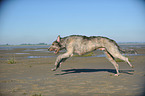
78 76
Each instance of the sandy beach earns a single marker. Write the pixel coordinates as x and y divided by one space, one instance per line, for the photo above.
31 75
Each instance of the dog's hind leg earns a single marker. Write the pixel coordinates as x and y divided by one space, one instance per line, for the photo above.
124 59
116 54
112 60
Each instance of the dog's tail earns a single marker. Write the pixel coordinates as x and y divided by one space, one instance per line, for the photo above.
132 51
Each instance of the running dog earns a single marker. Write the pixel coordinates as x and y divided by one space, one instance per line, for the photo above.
82 44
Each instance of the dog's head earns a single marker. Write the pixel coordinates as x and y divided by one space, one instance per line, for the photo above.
56 46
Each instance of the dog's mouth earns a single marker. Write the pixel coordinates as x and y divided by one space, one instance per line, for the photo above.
55 50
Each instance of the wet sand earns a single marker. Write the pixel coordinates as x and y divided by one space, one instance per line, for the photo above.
78 76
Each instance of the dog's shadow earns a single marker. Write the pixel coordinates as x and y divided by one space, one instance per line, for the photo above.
71 71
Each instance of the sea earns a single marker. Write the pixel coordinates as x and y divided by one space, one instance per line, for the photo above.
44 48
11 47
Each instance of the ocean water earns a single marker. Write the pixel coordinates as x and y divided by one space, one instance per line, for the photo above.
44 48
40 47
11 47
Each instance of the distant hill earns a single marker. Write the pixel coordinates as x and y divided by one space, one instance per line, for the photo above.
34 44
130 43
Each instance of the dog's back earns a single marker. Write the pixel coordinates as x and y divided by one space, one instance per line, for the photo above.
83 44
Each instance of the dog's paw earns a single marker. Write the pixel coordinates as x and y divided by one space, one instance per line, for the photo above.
53 69
116 75
132 66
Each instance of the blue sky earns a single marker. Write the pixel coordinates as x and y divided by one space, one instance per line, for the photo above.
36 21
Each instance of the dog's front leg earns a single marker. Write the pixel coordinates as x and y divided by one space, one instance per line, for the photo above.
61 58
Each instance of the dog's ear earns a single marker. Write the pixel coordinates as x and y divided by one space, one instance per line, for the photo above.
58 38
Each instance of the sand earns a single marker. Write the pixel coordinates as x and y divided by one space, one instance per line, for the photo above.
78 76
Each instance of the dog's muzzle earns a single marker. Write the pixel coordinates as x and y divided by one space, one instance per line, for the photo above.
55 50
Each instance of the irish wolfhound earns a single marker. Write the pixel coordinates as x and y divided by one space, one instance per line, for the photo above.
83 44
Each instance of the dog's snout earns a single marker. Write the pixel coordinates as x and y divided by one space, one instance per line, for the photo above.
49 49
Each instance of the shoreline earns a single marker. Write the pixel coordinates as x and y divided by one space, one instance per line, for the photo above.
77 76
